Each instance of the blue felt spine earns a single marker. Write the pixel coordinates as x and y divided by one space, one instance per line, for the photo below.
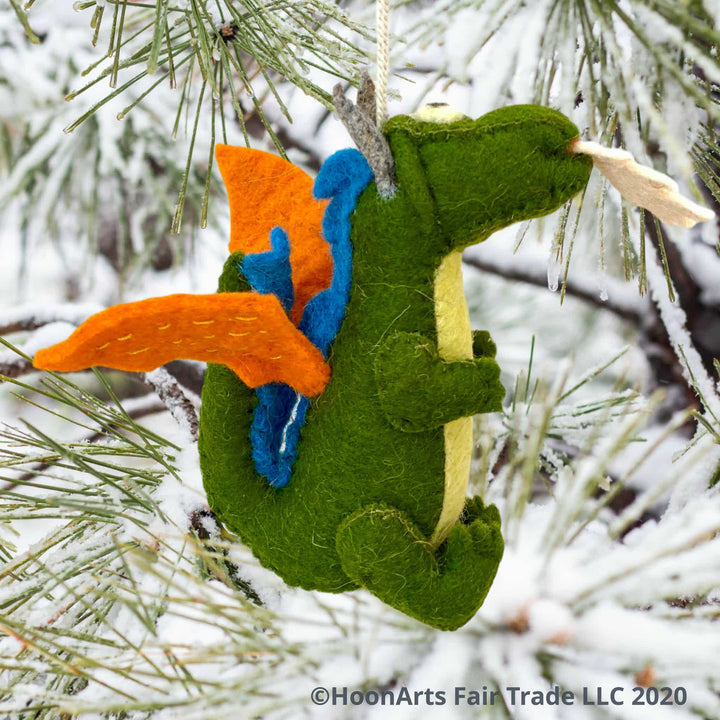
342 177
281 412
270 272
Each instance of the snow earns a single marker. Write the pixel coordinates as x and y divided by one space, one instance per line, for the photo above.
641 636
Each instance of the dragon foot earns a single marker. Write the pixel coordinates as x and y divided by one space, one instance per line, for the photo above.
381 549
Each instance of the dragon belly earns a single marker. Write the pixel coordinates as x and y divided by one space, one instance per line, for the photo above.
454 339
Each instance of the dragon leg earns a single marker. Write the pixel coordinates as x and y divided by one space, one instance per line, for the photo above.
381 549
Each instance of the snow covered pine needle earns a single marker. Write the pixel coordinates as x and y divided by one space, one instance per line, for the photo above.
643 186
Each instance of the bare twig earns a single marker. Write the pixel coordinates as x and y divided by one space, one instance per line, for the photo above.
366 95
369 140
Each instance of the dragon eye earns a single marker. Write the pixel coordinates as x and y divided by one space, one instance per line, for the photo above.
438 113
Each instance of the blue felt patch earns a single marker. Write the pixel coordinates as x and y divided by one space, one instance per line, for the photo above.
275 405
270 272
280 413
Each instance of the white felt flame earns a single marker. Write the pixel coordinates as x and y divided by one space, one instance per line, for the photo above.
643 186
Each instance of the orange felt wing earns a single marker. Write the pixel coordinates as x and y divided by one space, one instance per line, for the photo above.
249 333
266 191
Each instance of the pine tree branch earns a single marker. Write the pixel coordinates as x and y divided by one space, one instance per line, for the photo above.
216 560
534 275
174 399
189 373
22 17
32 317
142 407
161 380
641 312
15 367
700 319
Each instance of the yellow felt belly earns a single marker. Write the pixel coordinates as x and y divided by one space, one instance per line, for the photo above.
454 343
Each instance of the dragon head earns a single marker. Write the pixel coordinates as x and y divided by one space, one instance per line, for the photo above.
510 165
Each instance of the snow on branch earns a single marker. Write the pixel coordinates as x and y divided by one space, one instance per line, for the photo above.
172 395
674 319
14 366
32 317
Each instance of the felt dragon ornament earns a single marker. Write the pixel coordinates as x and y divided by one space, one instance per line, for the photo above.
336 421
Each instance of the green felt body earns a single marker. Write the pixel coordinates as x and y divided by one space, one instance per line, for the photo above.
368 484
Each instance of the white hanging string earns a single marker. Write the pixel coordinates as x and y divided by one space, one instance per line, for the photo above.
382 26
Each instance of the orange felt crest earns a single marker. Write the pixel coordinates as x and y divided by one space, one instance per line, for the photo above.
249 333
266 191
